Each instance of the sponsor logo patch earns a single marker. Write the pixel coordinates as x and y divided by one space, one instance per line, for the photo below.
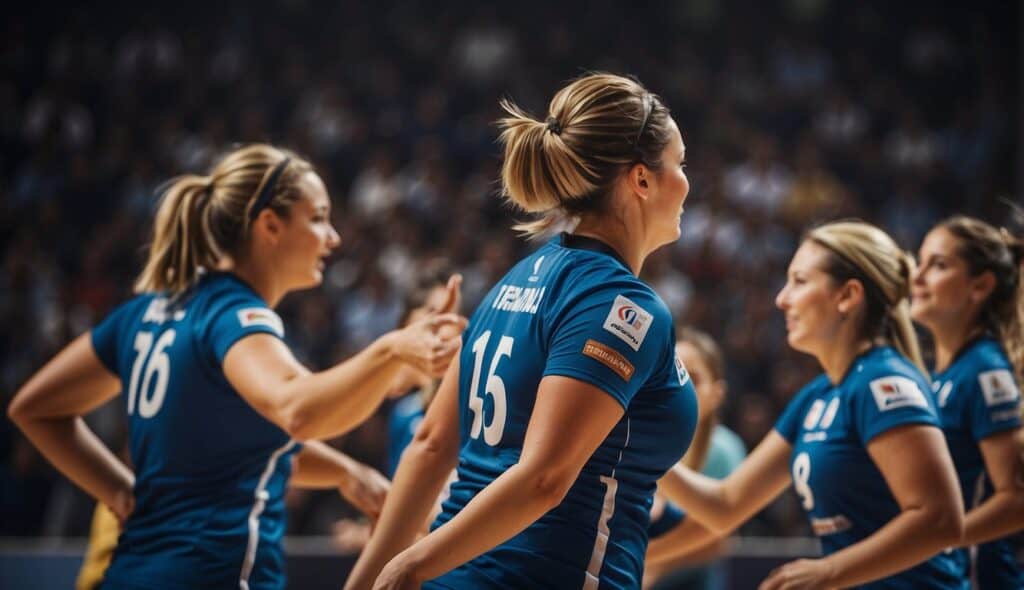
261 316
897 392
830 525
610 358
628 321
998 387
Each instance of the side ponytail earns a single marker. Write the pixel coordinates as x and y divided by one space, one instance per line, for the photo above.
182 242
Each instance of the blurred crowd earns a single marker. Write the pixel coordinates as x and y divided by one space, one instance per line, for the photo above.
793 112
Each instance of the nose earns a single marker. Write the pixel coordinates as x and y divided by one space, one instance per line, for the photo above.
782 299
918 277
333 239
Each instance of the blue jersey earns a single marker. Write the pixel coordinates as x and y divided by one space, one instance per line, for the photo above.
210 472
405 418
574 309
843 492
977 397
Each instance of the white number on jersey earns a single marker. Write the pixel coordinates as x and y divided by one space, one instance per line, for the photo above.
494 387
158 366
801 475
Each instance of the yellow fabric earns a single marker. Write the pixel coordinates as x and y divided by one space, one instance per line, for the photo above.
102 541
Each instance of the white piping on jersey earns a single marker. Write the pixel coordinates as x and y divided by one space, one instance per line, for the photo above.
254 515
593 576
972 551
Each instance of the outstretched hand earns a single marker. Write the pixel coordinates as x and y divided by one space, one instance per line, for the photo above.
430 343
365 488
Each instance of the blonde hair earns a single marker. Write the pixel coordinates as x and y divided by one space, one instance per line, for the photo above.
987 249
860 251
202 219
596 126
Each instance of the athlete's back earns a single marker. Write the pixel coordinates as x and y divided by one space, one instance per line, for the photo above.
210 471
571 309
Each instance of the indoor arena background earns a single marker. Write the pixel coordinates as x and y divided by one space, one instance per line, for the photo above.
792 112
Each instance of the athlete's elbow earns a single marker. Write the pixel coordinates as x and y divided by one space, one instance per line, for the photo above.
551 486
297 420
945 523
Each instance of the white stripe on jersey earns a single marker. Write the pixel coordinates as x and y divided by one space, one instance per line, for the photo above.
254 515
593 576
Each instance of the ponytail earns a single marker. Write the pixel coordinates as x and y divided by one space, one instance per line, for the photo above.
182 242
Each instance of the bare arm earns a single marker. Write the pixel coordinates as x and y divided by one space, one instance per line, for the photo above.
917 467
569 421
422 472
328 403
722 505
1003 512
320 466
48 409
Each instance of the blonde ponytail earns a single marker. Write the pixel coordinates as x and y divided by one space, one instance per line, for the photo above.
565 165
181 242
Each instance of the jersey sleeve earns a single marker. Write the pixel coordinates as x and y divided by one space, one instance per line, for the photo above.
237 319
613 339
671 516
106 335
890 401
993 403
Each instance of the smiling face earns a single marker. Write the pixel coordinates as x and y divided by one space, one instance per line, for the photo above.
943 291
810 300
307 236
668 189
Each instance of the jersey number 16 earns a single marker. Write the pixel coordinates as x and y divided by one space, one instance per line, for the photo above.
158 366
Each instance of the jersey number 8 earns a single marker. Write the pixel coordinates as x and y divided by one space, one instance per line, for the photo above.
494 387
158 366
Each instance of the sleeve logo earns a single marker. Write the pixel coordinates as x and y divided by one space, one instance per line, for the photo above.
681 371
261 316
998 387
897 392
628 321
610 358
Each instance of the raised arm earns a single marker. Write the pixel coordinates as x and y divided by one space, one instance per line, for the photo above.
328 403
421 474
569 421
48 409
917 467
1001 513
722 505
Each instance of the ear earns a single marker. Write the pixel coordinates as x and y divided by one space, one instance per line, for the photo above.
268 225
982 286
639 179
850 296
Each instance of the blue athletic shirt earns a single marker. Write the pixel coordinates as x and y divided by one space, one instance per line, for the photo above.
210 472
978 397
843 492
572 308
